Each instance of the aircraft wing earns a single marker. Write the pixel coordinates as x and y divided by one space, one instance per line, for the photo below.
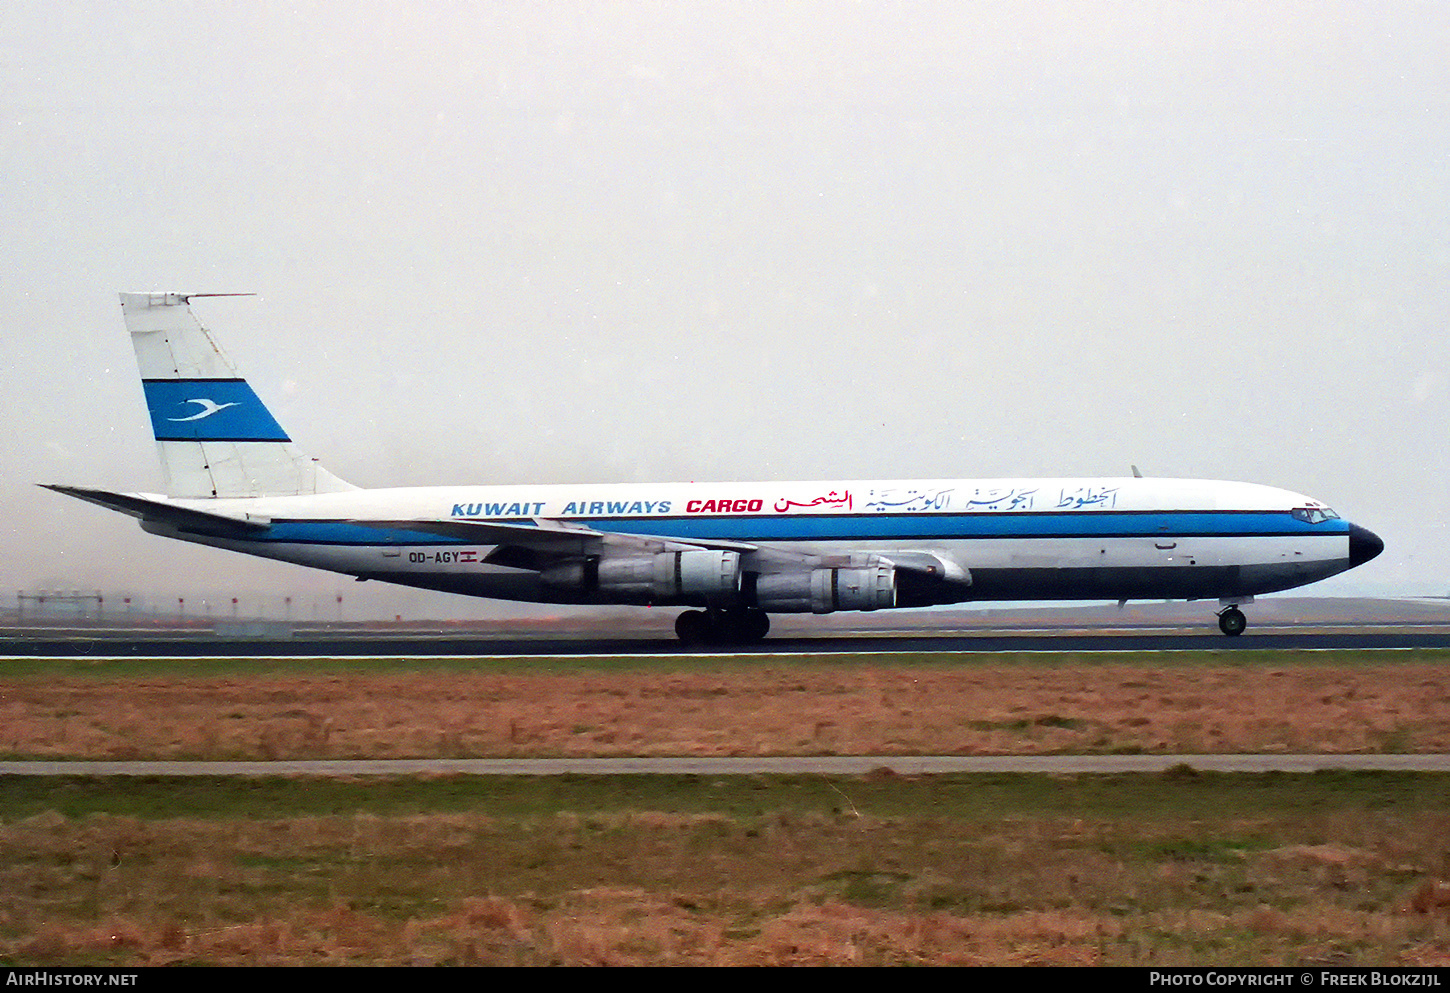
551 536
526 544
523 545
921 572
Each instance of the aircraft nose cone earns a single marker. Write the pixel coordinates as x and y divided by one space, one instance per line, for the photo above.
1364 545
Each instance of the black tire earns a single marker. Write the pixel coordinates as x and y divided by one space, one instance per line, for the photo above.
693 627
739 627
1232 622
755 625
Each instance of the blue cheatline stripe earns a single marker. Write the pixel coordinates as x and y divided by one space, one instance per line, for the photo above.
208 410
344 533
1078 524
868 527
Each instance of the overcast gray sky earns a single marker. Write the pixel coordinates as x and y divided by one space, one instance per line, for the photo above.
514 242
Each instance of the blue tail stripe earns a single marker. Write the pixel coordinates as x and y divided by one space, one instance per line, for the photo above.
208 410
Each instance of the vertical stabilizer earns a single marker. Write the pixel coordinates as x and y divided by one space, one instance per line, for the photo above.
215 436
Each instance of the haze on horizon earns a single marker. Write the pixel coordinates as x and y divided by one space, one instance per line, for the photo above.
555 242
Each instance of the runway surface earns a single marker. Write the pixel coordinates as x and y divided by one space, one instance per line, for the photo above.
1129 640
832 765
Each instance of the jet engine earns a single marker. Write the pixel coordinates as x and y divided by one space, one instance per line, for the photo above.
662 576
821 591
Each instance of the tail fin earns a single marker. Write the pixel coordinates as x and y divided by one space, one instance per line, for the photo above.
215 437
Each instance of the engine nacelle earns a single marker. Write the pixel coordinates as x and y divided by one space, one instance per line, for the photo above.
822 591
711 575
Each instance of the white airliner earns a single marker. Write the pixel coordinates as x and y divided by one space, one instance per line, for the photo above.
732 552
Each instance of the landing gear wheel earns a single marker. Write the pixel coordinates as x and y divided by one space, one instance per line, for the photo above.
693 627
1232 622
738 626
755 625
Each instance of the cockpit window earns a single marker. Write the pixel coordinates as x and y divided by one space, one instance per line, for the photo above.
1314 515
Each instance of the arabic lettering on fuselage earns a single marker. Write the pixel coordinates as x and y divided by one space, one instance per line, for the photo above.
907 501
999 498
831 500
1074 498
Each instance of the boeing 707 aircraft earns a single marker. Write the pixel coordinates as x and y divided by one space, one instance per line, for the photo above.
733 553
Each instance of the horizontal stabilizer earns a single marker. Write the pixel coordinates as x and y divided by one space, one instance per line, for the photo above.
157 509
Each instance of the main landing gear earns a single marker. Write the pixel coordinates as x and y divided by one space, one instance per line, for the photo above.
1231 621
722 627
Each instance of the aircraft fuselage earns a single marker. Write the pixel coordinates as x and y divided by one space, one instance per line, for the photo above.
1017 539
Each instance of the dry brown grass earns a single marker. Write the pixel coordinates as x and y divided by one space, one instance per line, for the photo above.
744 710
656 889
649 887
